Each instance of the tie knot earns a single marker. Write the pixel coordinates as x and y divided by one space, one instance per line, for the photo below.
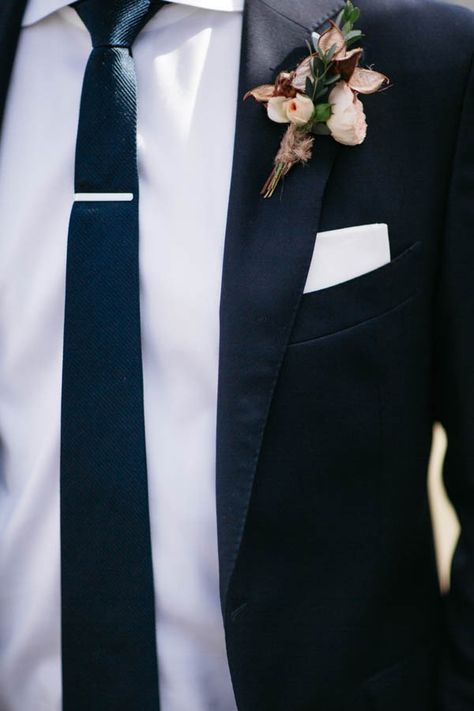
115 23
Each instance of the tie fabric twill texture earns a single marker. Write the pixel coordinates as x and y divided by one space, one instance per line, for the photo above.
108 612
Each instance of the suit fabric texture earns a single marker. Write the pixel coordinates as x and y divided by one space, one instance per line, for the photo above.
326 400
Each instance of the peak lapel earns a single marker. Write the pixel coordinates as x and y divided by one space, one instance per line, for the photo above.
11 13
269 244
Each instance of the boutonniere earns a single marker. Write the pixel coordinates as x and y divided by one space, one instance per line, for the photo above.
320 96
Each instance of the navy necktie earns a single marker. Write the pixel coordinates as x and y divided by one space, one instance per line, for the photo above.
108 611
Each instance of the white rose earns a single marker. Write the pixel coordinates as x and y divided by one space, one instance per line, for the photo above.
297 110
347 122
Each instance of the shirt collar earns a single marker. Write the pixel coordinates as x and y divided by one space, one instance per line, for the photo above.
36 10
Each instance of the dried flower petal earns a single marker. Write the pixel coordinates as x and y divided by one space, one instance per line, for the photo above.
302 72
261 93
329 38
367 81
284 85
346 64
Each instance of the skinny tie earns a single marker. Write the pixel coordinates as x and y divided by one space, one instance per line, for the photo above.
108 612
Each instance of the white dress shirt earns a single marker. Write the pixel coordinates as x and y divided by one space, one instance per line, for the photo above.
187 61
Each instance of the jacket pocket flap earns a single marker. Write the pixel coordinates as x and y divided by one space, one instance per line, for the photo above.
352 302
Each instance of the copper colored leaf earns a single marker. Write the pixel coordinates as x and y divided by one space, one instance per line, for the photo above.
332 37
367 81
284 85
346 64
261 93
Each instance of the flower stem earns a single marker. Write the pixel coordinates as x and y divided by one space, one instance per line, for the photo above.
273 179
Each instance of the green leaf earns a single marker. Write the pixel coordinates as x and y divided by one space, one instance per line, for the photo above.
354 34
346 28
322 112
320 129
352 41
309 87
330 53
332 79
355 14
346 15
317 66
339 18
322 91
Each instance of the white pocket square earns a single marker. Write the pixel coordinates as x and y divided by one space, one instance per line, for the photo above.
340 255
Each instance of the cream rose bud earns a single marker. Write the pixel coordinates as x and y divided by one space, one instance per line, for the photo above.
300 109
297 110
347 122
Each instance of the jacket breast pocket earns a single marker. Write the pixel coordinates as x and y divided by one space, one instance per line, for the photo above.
358 300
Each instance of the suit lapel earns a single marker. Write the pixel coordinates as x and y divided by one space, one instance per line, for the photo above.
11 13
269 244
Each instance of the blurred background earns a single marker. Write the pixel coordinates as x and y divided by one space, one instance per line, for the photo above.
446 526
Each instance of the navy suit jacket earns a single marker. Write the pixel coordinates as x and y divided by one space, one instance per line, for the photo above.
326 400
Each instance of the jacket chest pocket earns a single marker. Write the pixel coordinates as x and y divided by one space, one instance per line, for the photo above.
354 302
